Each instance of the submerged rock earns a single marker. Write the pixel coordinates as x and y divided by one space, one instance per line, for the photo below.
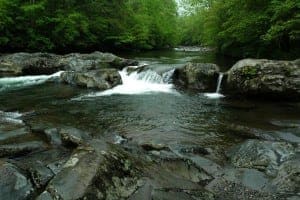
198 76
267 78
100 79
261 155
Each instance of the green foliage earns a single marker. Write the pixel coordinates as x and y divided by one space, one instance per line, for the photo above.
70 25
250 28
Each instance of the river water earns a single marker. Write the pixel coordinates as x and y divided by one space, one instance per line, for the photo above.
152 111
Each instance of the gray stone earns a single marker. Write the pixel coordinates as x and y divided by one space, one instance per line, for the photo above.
96 60
261 155
28 64
70 135
21 148
77 174
267 78
198 76
288 177
13 184
101 79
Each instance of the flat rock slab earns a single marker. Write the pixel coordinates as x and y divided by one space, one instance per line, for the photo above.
75 177
21 148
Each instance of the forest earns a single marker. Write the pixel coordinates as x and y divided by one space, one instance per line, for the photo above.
249 28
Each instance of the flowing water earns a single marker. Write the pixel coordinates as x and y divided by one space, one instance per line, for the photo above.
147 107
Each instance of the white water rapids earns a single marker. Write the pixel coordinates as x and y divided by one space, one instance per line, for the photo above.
23 81
145 82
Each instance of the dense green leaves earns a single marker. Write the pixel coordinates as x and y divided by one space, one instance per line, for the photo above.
246 28
73 25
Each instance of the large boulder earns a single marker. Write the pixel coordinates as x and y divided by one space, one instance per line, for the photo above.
45 63
198 76
97 60
267 78
101 79
29 64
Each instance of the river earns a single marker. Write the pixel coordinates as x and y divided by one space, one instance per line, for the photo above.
150 112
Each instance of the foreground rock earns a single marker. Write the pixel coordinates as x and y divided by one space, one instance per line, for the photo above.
262 155
198 76
267 78
101 79
18 64
13 184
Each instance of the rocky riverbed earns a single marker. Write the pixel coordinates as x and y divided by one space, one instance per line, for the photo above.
62 141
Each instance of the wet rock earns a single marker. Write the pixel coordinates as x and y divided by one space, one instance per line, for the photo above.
198 76
208 166
224 189
195 155
144 192
261 155
118 175
28 64
73 136
163 179
6 136
250 178
247 132
288 177
186 170
42 166
98 79
21 148
174 195
53 136
45 63
97 60
76 176
13 184
267 78
152 145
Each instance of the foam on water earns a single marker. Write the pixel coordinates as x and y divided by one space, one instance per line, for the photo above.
11 117
146 82
23 81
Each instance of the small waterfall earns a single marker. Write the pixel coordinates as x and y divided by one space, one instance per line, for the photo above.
220 78
145 82
168 76
150 76
217 94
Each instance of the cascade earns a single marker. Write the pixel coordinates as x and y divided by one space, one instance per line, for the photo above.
144 82
220 78
22 81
